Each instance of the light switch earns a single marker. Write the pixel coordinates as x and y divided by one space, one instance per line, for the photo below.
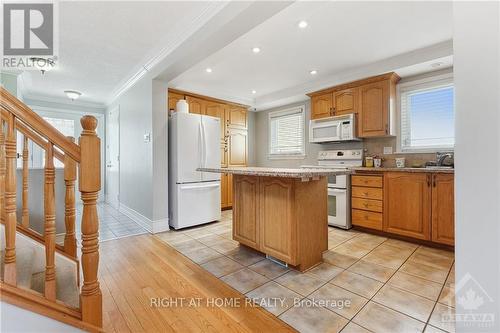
147 138
387 150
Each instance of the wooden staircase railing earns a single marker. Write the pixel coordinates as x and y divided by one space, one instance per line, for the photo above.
17 117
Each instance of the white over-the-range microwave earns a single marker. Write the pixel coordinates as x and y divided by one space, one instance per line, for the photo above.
333 129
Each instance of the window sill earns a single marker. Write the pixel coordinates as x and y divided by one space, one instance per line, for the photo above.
423 151
286 157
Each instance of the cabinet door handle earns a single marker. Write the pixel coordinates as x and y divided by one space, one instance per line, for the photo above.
386 129
365 193
366 205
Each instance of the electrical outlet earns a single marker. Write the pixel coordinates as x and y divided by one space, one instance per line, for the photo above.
387 150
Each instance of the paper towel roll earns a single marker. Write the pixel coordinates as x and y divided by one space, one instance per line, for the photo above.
182 106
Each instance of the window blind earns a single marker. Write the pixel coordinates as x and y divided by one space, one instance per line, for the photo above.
427 117
287 132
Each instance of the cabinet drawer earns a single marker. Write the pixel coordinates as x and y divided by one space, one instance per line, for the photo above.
367 204
367 219
367 193
370 181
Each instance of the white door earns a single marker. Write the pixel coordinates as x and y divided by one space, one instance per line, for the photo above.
113 157
211 146
187 147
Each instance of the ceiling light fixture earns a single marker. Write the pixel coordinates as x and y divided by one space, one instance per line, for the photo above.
256 50
303 24
43 64
313 72
254 92
208 70
72 94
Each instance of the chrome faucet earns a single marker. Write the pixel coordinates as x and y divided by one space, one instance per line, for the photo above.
440 157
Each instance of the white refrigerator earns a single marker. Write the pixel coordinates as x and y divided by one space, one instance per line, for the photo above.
194 196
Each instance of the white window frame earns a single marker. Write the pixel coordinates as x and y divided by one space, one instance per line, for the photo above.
421 84
285 156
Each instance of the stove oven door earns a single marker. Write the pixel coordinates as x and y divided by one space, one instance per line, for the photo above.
338 208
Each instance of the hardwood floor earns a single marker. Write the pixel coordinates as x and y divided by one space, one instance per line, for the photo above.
133 270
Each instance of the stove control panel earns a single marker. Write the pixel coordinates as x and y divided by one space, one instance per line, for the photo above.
348 154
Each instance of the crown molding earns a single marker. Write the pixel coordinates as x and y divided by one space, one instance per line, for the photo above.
175 38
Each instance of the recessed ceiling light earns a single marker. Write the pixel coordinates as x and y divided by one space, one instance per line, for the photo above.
208 70
254 91
437 64
313 72
72 94
256 50
302 24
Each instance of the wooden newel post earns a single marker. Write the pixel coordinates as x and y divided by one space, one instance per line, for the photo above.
10 203
69 208
89 186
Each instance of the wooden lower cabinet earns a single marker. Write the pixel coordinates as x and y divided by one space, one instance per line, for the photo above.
443 209
246 211
408 204
282 217
276 220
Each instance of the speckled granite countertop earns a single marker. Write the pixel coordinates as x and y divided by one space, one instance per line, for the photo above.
277 172
436 170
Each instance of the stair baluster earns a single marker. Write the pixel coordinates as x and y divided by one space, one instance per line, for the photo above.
10 203
50 224
2 172
25 212
89 186
70 210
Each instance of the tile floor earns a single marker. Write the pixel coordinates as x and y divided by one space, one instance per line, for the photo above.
366 284
112 224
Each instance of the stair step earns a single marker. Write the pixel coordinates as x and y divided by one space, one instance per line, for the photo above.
67 289
24 266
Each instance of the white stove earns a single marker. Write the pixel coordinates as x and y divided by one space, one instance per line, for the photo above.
339 186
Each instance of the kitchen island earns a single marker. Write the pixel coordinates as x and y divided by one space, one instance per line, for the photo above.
281 212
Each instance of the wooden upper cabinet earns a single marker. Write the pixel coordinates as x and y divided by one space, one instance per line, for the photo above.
374 108
217 110
443 209
246 211
196 105
237 147
236 117
407 204
173 98
322 106
277 227
345 101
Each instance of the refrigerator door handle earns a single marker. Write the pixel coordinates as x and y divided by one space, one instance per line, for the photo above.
200 146
192 187
205 147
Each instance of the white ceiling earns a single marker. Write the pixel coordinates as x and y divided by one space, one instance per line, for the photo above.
341 36
101 44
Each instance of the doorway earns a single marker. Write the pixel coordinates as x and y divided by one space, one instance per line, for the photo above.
113 158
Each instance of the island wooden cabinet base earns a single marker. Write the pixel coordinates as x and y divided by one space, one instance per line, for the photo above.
285 218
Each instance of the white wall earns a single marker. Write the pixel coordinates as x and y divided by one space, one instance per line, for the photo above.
144 165
10 317
477 158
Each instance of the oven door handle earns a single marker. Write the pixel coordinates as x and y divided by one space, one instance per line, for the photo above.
337 190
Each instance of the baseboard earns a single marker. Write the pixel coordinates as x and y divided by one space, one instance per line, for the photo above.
150 225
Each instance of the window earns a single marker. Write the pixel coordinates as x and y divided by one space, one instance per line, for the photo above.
427 115
286 133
